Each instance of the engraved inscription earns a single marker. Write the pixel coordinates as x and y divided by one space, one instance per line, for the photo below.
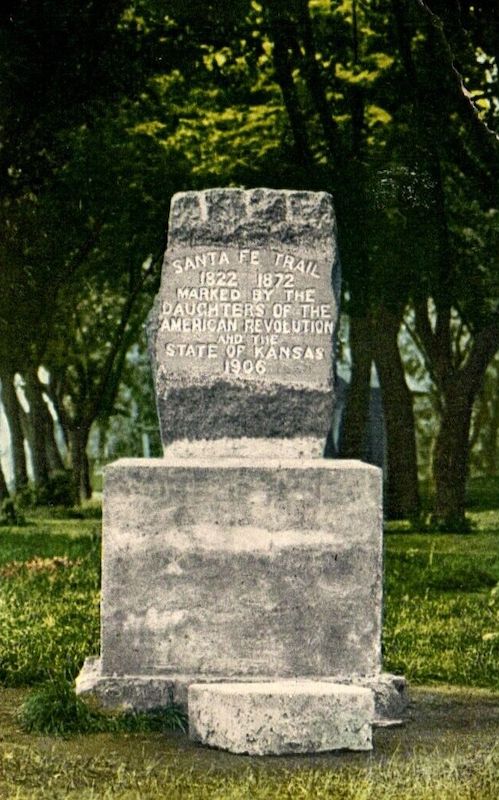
247 313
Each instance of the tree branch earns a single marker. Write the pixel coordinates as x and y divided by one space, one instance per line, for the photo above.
484 348
426 337
487 139
102 386
315 83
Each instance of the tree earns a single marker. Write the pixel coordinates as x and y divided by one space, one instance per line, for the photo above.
411 117
121 177
13 415
366 100
83 207
56 74
4 490
456 316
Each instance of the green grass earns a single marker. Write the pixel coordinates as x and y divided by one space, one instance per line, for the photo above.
449 743
441 610
49 597
49 609
483 494
54 708
441 627
42 776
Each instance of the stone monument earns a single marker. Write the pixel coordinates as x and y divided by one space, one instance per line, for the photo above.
242 572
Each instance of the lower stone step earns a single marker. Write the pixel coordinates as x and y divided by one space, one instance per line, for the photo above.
281 717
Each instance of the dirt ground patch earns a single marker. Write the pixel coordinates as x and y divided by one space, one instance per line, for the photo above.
449 720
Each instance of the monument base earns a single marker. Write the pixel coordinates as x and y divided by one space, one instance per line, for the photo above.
147 692
241 567
238 571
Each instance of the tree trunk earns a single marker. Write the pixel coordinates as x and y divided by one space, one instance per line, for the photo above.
13 414
4 491
284 76
458 390
37 425
52 454
356 416
490 448
450 461
401 486
78 439
490 403
54 458
62 416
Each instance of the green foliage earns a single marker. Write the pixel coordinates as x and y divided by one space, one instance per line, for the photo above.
10 513
26 497
58 491
54 708
58 76
111 108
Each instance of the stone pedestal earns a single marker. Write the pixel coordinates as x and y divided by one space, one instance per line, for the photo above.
234 568
230 570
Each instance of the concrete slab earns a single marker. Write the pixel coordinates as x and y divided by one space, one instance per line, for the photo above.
281 717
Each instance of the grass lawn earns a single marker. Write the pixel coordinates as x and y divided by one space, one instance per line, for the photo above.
441 630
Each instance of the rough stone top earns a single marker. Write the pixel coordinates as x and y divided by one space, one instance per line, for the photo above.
256 217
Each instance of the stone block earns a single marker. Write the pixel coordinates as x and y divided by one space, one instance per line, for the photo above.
240 569
146 692
241 332
281 717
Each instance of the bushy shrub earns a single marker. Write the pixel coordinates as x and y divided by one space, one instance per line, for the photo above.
58 491
54 708
10 513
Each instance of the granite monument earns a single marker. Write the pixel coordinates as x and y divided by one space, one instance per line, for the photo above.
242 572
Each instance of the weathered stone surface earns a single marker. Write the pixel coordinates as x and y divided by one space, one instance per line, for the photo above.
127 692
256 448
390 697
242 556
143 692
237 569
241 333
281 717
